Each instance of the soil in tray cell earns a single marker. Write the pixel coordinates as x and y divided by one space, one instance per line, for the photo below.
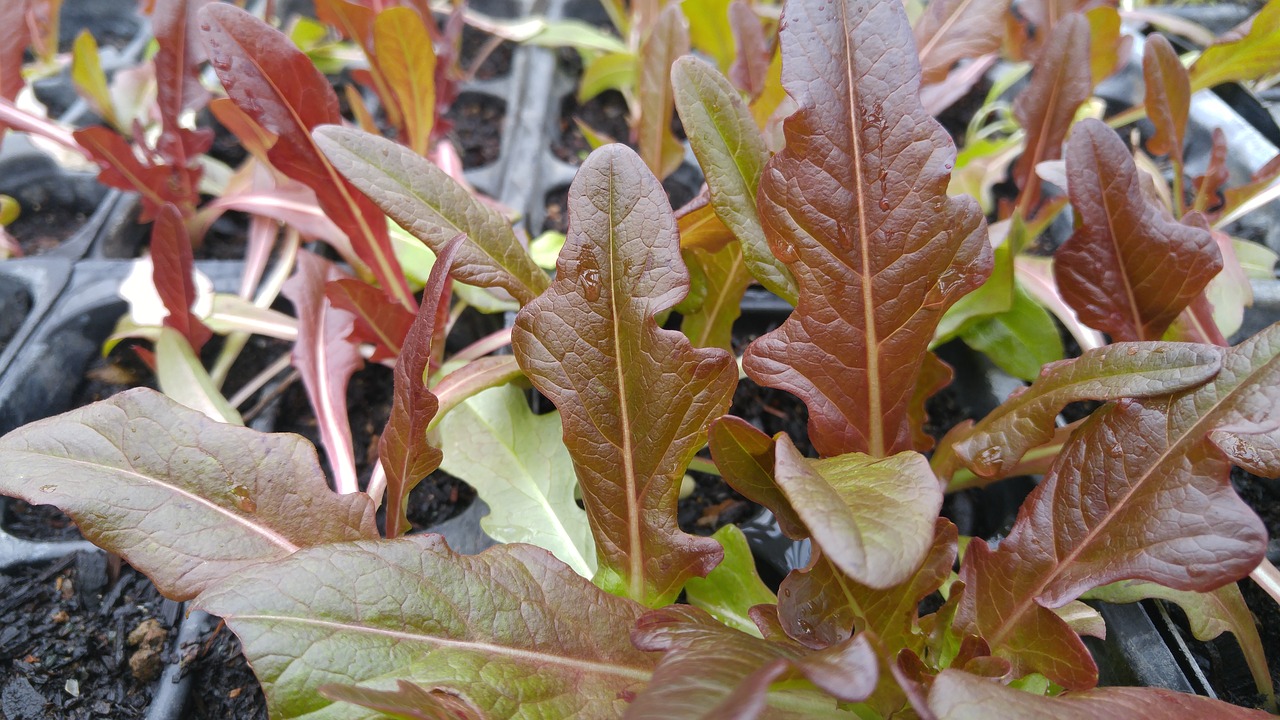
223 685
605 113
75 645
477 127
40 229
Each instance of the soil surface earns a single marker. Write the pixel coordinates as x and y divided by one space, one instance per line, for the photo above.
223 685
497 64
477 127
75 645
605 113
40 229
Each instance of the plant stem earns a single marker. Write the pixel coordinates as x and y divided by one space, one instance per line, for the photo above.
1268 578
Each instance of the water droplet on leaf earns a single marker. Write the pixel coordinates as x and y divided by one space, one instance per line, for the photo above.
884 203
48 488
992 457
243 501
785 251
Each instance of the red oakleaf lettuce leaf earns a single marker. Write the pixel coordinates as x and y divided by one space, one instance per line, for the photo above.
958 695
871 517
635 399
188 501
1025 420
509 629
326 357
712 671
1128 270
276 85
378 321
1060 83
1140 491
668 40
405 454
172 268
14 38
856 206
424 200
1168 97
121 168
954 30
178 88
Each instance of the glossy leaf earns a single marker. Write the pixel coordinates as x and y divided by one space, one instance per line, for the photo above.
856 206
1168 97
958 695
435 208
186 500
404 451
1139 492
1129 269
730 590
993 446
635 399
519 466
511 630
732 155
1249 55
745 457
1046 108
172 268
952 30
274 83
750 67
404 53
668 40
326 358
872 517
711 671
378 321
1209 614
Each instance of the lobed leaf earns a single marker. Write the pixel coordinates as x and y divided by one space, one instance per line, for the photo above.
1167 97
635 399
1139 492
856 206
871 517
326 358
1061 82
958 695
404 451
732 155
952 30
1025 420
188 501
276 85
512 631
120 168
424 200
1128 270
519 466
668 40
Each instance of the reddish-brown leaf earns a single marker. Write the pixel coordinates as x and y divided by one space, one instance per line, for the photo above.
326 358
405 454
1129 269
14 38
178 87
1140 491
378 321
1209 185
954 30
856 206
274 83
172 266
121 168
1060 82
668 40
407 60
745 458
1168 97
355 21
751 64
635 399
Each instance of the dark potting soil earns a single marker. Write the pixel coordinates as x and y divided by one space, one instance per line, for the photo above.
605 113
15 304
556 218
40 229
497 64
226 146
477 127
74 645
223 685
